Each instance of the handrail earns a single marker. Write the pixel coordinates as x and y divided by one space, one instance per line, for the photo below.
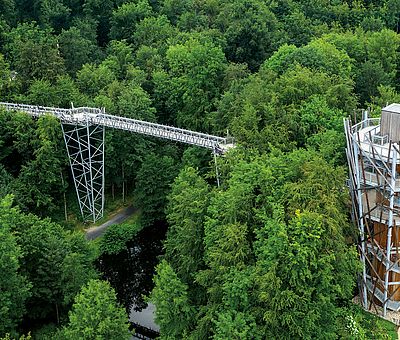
85 115
365 123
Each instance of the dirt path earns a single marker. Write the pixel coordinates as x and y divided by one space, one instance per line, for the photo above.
95 232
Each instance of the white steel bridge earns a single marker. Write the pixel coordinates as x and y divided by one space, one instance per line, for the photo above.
84 130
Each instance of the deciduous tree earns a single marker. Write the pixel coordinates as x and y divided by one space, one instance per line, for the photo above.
96 315
34 53
14 287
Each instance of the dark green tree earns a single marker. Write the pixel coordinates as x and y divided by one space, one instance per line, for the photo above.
125 18
14 287
100 11
76 49
7 83
174 313
42 181
186 210
251 30
6 181
34 53
153 181
54 14
54 261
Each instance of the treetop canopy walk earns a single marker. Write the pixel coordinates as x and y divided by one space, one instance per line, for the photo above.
84 130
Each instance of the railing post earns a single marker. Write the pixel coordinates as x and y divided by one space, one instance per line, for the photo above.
216 164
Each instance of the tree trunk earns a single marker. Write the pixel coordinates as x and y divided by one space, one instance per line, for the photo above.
64 196
58 317
123 185
112 192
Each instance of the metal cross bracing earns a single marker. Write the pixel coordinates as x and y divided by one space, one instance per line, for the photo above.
375 193
85 147
83 130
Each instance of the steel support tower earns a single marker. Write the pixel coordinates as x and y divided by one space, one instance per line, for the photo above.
85 147
84 130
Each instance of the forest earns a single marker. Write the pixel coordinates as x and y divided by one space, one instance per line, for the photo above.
270 253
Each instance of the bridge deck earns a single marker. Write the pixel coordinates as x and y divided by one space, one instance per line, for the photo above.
85 115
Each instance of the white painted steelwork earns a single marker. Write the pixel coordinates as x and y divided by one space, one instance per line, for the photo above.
85 147
374 163
83 130
94 116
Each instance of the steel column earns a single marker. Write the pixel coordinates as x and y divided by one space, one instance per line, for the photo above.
390 227
361 222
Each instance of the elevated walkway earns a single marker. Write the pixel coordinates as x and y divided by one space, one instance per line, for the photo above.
94 116
84 130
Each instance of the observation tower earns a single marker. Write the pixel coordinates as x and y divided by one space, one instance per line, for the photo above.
373 156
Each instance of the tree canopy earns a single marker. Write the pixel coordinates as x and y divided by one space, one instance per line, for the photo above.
95 314
270 252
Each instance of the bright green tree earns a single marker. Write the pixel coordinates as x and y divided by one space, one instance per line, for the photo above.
305 269
154 32
120 57
317 55
117 236
96 315
194 81
91 79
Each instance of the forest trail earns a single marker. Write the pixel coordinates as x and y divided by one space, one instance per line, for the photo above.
120 217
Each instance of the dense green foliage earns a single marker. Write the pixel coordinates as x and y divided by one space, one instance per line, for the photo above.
15 288
274 251
47 269
270 253
116 237
96 315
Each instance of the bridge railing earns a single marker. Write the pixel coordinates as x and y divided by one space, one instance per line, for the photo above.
85 115
34 110
158 130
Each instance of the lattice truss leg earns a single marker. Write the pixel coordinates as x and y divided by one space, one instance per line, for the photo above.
374 193
85 147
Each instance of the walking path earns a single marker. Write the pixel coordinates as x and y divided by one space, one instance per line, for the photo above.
95 232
